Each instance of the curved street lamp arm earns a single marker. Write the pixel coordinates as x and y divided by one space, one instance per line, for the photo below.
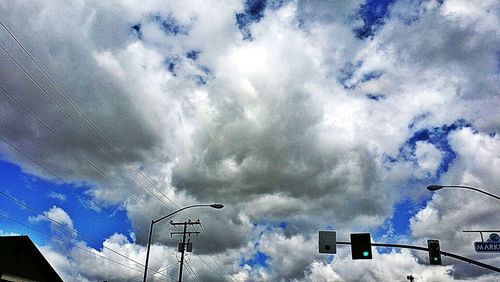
472 188
179 210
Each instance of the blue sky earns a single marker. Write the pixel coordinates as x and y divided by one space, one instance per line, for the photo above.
42 195
298 116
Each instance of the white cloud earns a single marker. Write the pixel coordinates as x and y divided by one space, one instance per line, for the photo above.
428 157
58 196
273 134
83 263
452 210
7 233
57 214
472 13
393 266
107 61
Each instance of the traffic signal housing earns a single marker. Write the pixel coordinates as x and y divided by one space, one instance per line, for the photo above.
327 242
434 252
361 246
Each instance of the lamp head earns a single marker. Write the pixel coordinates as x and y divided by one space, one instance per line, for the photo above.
434 187
217 206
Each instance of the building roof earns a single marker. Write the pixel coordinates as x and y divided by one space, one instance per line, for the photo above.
19 257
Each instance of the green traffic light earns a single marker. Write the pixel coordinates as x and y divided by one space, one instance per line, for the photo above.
435 259
361 247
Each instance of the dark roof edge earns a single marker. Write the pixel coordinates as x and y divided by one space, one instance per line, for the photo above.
26 240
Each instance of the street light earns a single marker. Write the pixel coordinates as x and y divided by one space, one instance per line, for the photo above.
215 206
437 187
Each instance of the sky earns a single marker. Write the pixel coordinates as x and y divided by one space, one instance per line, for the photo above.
298 116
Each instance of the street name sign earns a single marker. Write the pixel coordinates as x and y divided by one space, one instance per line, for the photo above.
491 247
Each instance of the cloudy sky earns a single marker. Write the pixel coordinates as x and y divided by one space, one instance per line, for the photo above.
298 116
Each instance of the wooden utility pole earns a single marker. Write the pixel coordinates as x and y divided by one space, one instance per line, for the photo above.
182 246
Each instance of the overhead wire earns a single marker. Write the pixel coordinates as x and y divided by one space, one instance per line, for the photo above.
48 171
78 125
85 131
85 116
223 268
74 150
230 275
189 272
69 243
167 268
220 268
218 274
227 270
64 142
188 267
76 122
87 238
209 267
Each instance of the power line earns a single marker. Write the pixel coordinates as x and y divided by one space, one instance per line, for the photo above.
159 271
69 243
47 170
74 150
189 273
168 267
87 238
218 274
183 244
189 268
95 142
220 268
230 275
76 123
227 270
85 116
81 128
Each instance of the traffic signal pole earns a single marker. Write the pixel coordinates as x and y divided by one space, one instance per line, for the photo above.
448 254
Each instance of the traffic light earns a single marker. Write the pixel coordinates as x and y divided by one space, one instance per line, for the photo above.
327 242
361 246
434 252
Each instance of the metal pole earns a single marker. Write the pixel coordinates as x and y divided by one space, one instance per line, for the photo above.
183 249
481 232
471 261
215 206
147 253
438 187
473 188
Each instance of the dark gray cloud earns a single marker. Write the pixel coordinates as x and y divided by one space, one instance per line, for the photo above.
107 103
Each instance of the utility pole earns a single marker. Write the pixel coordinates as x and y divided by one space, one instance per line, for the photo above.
182 246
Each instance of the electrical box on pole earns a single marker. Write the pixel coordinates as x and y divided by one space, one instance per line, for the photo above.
361 246
327 242
184 245
434 252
